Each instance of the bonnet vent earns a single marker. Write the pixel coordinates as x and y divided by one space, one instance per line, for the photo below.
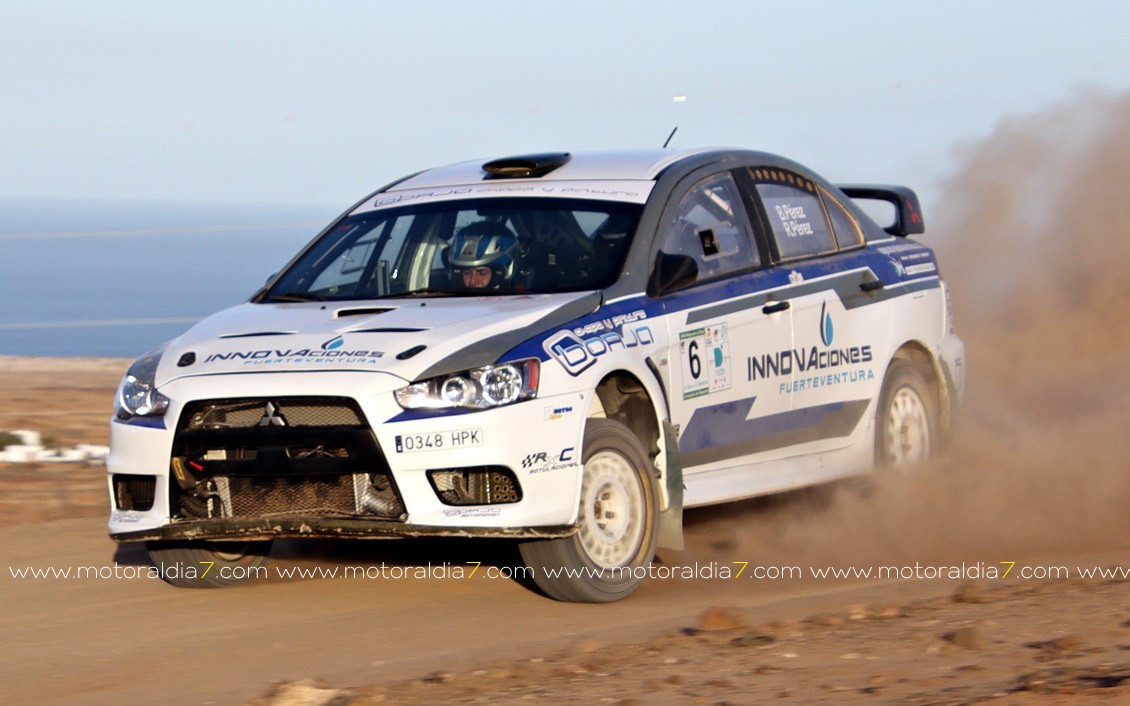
363 311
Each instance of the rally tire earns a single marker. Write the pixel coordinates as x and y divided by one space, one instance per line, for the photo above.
201 564
907 428
617 528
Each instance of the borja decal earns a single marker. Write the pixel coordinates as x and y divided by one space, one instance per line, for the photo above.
577 354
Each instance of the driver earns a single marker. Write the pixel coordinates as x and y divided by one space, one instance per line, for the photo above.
483 255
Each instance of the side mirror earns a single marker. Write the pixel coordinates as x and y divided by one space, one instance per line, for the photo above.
672 272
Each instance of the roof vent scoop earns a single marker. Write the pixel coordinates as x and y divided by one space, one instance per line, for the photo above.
525 166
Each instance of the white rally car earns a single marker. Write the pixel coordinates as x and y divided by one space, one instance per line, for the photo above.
565 350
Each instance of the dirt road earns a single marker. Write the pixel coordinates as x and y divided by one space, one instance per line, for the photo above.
133 639
118 636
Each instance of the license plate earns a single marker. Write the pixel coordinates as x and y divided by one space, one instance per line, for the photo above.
439 441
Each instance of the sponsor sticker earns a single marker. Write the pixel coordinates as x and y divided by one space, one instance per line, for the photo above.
473 512
705 353
555 413
921 269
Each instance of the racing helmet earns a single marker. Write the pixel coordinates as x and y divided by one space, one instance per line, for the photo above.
485 244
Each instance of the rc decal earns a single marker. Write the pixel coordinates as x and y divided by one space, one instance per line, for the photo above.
543 462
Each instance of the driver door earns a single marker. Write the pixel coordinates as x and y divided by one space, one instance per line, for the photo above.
723 402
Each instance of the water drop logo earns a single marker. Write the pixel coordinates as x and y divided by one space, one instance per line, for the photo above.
827 330
333 343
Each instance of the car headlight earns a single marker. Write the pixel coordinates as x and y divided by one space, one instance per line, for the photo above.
481 388
137 394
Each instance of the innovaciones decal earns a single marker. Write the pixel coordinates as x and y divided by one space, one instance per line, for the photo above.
331 351
786 362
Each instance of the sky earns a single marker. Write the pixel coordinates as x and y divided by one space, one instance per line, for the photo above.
322 102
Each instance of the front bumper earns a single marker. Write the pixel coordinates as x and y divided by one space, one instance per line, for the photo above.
325 528
537 441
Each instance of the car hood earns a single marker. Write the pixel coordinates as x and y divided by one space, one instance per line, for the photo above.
409 338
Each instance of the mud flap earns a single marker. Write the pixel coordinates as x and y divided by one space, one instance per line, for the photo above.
671 519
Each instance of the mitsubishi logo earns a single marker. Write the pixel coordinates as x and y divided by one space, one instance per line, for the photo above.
271 416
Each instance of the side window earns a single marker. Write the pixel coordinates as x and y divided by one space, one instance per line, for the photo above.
711 226
848 233
796 216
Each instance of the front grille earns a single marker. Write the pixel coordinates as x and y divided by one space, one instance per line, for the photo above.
481 485
251 412
134 492
263 497
360 494
279 457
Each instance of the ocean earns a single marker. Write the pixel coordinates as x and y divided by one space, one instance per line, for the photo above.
115 278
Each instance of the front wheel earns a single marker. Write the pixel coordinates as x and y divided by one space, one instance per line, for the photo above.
906 422
616 534
198 564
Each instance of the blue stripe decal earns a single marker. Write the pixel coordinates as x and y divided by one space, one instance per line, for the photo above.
150 422
722 431
415 415
726 423
749 290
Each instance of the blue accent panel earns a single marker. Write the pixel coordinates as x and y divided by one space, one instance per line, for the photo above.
717 425
743 285
887 267
150 422
532 348
725 424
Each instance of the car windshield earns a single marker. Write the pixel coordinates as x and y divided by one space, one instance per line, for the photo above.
464 247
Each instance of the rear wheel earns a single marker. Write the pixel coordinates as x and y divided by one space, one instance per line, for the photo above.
616 534
201 564
906 423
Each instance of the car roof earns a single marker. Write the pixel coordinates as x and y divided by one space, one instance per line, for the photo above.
644 165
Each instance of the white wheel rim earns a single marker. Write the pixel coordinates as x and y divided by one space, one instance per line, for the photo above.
229 551
908 430
611 526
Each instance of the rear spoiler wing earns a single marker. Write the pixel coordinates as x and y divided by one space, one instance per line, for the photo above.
908 213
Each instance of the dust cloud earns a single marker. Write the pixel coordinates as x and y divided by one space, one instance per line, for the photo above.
1033 234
